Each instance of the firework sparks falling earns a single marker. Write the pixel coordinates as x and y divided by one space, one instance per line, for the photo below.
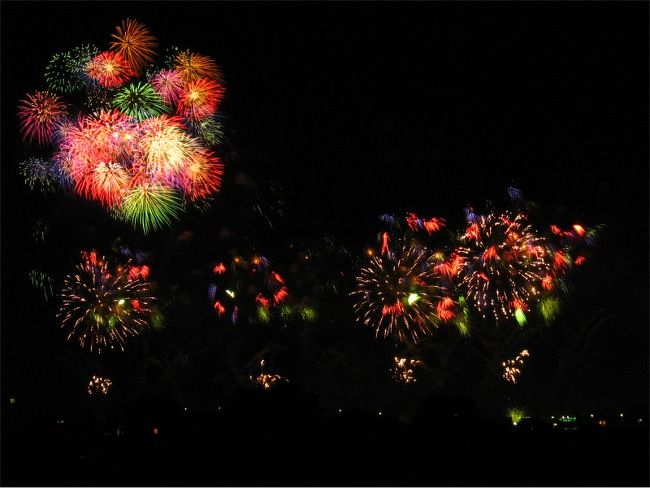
99 386
265 380
39 174
512 367
402 370
43 282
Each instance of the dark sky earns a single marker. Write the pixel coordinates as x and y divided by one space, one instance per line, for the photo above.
356 109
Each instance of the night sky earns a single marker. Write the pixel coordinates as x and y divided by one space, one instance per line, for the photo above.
340 112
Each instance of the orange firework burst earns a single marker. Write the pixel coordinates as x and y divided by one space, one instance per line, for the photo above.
135 43
200 99
193 66
39 116
109 69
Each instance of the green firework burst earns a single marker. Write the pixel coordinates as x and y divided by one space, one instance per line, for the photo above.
140 101
210 131
151 207
64 72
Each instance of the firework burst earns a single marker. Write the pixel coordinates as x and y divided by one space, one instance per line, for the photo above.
250 288
140 101
151 207
64 72
102 307
109 69
117 144
203 175
398 294
169 84
192 66
504 264
39 116
135 43
199 99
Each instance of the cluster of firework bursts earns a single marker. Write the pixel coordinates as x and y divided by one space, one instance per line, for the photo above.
250 289
265 380
99 386
103 306
135 137
512 367
499 265
402 370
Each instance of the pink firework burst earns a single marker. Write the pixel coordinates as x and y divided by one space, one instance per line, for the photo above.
169 84
40 114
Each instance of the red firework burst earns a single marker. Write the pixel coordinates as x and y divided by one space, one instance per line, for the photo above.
109 69
200 99
203 175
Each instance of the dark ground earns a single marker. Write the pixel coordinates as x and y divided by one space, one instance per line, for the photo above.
280 438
